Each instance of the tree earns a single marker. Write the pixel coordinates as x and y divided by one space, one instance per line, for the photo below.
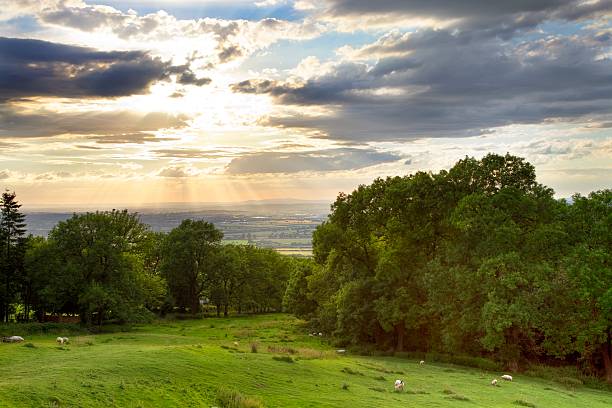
12 241
187 261
297 299
98 265
590 275
478 259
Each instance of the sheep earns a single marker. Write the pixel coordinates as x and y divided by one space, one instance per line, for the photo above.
399 385
494 382
12 339
66 340
320 334
60 340
507 377
236 344
341 351
421 362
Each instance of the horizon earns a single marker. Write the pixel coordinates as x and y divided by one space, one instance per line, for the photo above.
168 206
107 103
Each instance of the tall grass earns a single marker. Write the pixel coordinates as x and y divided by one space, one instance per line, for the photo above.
228 398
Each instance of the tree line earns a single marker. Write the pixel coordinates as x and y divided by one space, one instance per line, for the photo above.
480 259
109 266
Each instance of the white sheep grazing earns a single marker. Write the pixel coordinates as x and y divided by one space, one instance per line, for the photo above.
236 344
494 382
320 334
399 385
60 340
507 377
66 340
12 339
421 362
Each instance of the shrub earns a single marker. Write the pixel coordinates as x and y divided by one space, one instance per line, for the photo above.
253 347
233 399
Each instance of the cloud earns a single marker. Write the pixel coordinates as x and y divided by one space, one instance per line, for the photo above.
177 172
192 153
232 38
40 123
40 68
130 138
447 84
503 18
318 160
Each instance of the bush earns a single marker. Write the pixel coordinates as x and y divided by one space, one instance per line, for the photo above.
233 399
253 347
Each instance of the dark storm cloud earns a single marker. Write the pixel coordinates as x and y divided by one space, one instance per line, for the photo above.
319 160
43 123
448 84
40 68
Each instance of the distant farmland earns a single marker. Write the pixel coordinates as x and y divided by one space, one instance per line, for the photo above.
285 227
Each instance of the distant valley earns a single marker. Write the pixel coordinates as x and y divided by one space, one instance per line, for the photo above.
286 226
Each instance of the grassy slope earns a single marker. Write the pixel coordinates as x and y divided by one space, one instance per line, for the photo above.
183 364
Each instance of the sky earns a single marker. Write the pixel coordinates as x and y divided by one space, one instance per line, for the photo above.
135 102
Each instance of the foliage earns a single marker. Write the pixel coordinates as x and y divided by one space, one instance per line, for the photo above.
480 259
12 250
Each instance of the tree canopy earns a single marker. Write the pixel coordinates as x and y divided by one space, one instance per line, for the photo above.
479 259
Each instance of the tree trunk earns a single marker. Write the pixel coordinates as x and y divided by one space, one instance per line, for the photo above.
195 305
399 330
607 356
218 310
225 310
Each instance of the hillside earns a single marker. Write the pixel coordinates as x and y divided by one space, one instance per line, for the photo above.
184 363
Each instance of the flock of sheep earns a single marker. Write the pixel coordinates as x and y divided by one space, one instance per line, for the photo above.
399 384
19 339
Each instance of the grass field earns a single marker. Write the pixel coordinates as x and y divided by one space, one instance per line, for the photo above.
185 363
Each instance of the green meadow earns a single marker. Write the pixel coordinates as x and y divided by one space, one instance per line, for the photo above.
267 360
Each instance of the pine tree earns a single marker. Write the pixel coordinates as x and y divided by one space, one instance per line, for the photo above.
12 238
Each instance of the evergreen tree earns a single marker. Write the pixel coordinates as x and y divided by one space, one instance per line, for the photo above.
12 240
